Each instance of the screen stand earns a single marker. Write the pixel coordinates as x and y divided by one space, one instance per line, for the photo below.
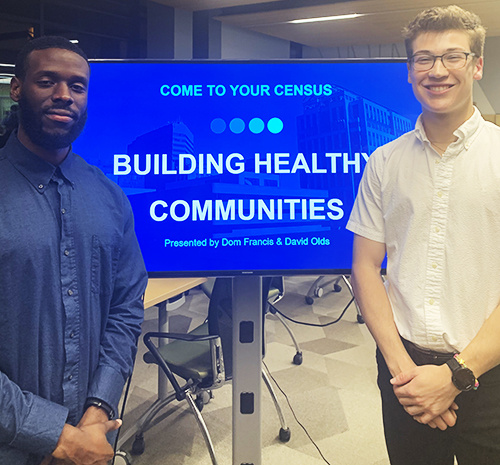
247 370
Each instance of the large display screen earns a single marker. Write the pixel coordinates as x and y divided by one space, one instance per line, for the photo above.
243 167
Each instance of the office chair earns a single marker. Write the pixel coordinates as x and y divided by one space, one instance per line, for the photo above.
274 295
318 286
202 359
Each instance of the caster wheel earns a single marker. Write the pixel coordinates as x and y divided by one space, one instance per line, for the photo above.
337 288
318 292
360 319
285 435
207 396
122 458
309 300
138 446
297 358
199 403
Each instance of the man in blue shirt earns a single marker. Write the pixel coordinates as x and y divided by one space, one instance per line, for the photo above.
71 273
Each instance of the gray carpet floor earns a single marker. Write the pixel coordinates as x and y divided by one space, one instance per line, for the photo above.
333 393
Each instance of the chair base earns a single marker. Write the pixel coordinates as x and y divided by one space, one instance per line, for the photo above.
153 416
284 433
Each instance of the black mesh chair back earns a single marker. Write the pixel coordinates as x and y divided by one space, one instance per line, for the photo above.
220 316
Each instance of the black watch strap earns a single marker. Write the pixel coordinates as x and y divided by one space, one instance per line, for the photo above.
94 402
453 364
463 378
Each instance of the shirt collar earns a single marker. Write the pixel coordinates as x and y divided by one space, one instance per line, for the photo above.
465 134
37 171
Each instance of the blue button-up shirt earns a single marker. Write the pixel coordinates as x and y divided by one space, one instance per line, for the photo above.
71 285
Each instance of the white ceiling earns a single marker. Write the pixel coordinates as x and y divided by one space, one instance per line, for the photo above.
381 24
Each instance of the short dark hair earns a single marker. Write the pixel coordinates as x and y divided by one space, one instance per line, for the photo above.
42 43
446 18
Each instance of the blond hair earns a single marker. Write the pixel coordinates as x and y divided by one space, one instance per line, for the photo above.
446 18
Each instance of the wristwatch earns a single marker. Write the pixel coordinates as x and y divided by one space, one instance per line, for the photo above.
94 402
462 377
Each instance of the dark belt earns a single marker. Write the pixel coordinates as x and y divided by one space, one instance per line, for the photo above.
422 356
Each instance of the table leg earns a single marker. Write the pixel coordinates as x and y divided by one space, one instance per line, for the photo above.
162 328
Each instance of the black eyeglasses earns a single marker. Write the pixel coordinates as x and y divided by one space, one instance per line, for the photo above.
450 60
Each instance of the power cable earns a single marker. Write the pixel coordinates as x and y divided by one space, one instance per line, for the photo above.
317 325
295 416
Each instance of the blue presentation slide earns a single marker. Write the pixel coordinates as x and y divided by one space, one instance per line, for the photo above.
239 167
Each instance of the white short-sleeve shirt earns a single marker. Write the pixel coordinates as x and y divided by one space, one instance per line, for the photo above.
439 218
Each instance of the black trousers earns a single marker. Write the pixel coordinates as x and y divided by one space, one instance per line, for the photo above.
475 438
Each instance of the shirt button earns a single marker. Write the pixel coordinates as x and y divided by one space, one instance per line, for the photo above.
63 211
434 266
70 377
66 252
440 194
72 335
437 229
431 301
40 186
434 338
70 292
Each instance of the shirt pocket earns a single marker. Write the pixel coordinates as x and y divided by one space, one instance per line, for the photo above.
105 253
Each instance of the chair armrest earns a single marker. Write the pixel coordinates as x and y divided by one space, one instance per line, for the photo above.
180 336
179 393
216 357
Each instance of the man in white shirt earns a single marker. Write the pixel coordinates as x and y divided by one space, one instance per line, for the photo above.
430 201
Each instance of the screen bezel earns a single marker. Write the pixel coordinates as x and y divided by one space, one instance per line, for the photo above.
255 272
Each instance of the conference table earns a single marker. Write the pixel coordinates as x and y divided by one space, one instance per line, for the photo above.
160 290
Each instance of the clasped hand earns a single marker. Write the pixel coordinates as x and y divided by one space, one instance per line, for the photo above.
428 395
85 444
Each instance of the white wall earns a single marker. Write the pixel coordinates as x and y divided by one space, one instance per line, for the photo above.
359 51
183 34
240 44
491 75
